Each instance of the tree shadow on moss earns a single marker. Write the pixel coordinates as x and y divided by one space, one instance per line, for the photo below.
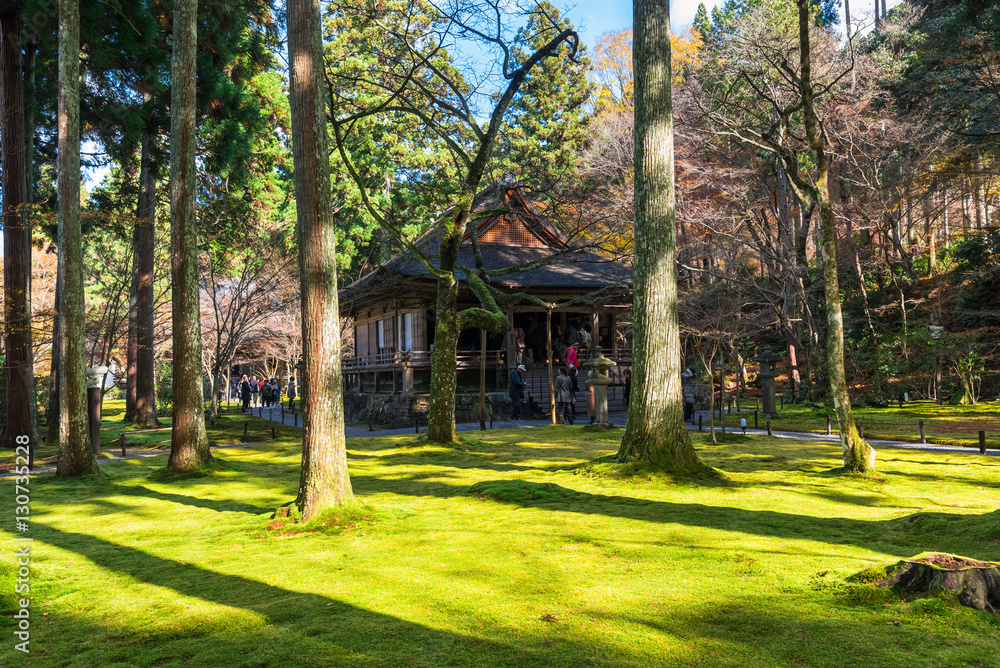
296 628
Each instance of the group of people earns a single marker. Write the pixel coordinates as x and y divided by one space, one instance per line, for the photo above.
566 346
254 392
567 385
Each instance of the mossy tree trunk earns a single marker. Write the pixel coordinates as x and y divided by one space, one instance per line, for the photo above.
188 440
324 481
655 432
441 415
75 455
52 412
20 380
144 248
132 341
859 456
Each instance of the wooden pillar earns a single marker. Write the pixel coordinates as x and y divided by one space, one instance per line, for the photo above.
595 331
511 344
613 328
548 348
482 380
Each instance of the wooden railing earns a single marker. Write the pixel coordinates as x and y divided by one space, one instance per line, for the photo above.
417 358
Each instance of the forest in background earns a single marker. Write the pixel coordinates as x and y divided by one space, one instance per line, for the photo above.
908 115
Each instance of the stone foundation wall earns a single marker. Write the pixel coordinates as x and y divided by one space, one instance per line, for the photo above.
400 409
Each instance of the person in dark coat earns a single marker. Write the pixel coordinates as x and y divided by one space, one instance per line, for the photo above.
265 394
245 393
516 390
687 389
564 396
254 390
291 393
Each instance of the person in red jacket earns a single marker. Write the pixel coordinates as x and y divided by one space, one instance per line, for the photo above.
571 356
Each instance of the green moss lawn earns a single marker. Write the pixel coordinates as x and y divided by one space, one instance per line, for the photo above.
512 552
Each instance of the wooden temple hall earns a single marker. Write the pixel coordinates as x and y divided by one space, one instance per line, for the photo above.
393 306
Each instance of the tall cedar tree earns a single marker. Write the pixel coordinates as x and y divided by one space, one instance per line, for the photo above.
20 380
655 433
128 101
188 440
324 481
75 455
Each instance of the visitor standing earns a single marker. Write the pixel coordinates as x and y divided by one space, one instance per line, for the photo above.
564 396
245 393
265 393
291 392
571 355
687 389
515 391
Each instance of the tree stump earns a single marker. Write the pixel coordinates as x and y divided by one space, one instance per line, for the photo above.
976 582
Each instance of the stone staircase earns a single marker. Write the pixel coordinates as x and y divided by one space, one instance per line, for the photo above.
536 386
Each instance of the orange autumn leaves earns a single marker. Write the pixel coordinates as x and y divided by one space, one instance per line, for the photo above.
613 65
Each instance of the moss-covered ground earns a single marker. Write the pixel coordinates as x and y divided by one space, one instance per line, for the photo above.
943 424
515 550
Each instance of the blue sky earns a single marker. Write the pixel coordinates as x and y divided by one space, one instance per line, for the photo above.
596 17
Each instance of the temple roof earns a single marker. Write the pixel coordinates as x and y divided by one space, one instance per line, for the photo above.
511 233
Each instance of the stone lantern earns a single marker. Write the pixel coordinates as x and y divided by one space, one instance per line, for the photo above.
767 374
601 366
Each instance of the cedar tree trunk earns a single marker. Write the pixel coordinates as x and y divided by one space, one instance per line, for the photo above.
132 343
188 440
75 455
145 389
655 432
52 412
324 480
17 252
